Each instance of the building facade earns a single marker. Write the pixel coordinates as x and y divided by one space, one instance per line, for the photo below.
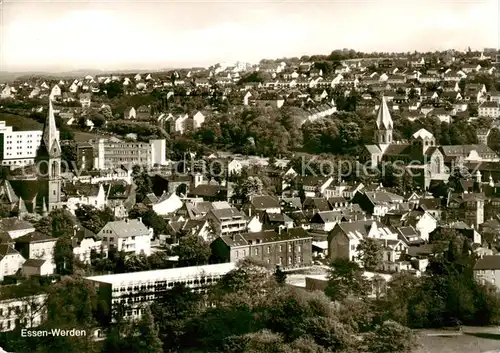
29 311
288 249
112 153
18 148
129 291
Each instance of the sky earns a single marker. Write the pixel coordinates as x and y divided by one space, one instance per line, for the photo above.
110 34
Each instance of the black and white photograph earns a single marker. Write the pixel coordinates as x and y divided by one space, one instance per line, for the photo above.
249 176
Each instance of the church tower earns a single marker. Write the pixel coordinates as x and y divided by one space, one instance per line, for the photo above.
48 161
383 132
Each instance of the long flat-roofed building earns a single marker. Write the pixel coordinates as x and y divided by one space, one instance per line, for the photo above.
131 290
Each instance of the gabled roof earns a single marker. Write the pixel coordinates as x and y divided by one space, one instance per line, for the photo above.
13 224
34 237
327 217
6 249
227 213
128 228
34 263
488 262
264 202
292 202
206 190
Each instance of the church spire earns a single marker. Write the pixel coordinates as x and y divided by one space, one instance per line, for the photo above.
383 133
50 136
384 120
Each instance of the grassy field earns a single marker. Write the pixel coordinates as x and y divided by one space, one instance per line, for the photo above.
22 123
466 343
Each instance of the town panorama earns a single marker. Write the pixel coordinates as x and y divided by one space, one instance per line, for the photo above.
338 203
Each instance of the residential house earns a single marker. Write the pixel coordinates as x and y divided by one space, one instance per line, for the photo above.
129 235
85 99
198 120
130 113
264 204
11 261
468 207
15 227
6 92
344 239
422 221
36 245
143 113
377 203
209 192
315 185
227 221
489 109
84 243
325 221
29 311
84 194
275 221
487 270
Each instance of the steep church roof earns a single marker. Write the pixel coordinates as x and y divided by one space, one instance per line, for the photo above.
423 134
50 136
384 120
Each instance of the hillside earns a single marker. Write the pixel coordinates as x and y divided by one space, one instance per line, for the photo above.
22 123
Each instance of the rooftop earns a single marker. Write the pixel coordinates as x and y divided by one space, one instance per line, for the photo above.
170 274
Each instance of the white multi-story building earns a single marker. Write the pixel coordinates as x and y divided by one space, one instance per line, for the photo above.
30 311
131 290
112 153
129 235
489 109
18 148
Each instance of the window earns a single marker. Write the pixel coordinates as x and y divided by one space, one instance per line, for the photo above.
280 261
268 249
299 248
281 248
289 260
256 251
237 253
289 247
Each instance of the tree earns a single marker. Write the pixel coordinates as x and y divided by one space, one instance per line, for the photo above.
149 217
57 224
245 189
181 190
142 181
192 251
97 119
280 276
370 253
149 341
93 218
63 255
106 112
68 155
173 311
391 337
345 279
494 140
